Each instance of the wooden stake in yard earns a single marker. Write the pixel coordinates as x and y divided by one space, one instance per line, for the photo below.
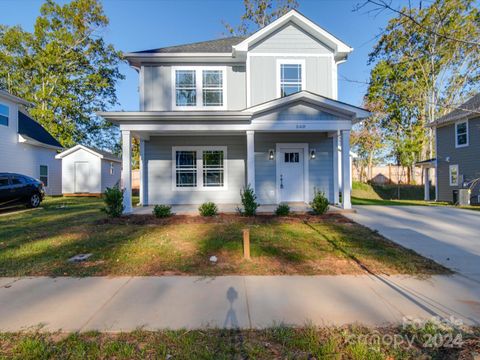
246 243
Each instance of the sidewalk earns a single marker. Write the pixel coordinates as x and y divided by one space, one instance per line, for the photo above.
128 303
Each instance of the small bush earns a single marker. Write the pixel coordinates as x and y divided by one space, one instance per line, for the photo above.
282 210
249 202
113 198
162 211
319 203
208 209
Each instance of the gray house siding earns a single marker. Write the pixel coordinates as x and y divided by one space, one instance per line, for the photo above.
290 38
263 76
158 159
320 168
157 86
467 158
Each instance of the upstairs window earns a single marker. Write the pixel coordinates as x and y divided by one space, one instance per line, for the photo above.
4 115
185 88
200 87
461 134
290 77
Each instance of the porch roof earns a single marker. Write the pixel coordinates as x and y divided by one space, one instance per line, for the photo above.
346 111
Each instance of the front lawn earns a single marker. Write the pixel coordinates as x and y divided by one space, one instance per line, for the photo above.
40 243
358 343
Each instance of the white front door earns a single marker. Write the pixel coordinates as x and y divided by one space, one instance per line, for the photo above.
82 175
290 175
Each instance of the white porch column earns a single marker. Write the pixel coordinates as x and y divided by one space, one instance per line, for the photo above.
142 172
426 174
336 197
127 171
346 179
251 159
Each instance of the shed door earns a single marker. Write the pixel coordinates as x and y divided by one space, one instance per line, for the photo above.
82 175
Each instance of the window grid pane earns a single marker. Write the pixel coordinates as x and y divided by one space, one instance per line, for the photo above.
186 168
213 168
185 88
462 133
212 88
290 79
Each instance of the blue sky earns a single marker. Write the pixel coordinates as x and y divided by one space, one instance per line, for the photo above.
144 24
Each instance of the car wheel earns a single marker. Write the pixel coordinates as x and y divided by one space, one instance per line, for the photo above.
35 201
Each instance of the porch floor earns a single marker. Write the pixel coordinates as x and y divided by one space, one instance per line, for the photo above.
192 209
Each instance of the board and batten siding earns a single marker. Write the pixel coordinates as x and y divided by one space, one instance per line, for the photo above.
24 158
158 160
320 168
157 86
467 158
68 173
110 180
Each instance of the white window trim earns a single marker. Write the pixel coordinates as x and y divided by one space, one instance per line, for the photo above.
457 145
199 87
199 150
8 114
40 174
281 62
450 175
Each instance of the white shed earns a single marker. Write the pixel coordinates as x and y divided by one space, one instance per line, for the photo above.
86 170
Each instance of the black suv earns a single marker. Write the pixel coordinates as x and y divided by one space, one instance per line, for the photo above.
20 189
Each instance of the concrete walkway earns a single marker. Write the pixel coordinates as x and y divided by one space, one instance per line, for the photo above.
127 303
447 235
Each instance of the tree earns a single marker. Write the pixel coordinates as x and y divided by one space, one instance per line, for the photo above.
436 50
65 69
367 140
260 13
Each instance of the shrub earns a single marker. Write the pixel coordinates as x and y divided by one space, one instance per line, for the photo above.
113 199
208 209
319 203
282 210
249 202
162 211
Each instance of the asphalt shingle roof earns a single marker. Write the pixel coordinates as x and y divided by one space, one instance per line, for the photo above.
465 110
29 127
223 45
105 154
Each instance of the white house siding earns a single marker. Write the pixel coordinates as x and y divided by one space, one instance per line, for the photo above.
110 180
320 168
158 160
25 158
68 173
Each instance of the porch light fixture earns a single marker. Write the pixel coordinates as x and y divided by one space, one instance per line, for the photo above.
313 154
271 154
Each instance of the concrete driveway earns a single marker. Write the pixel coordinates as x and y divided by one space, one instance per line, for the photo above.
447 235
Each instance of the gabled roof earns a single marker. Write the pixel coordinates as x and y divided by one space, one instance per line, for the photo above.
340 48
31 129
211 46
352 111
469 109
13 98
97 152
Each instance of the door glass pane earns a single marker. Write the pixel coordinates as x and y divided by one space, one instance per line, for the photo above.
292 157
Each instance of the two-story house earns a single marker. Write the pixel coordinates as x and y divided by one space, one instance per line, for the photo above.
458 151
26 147
259 110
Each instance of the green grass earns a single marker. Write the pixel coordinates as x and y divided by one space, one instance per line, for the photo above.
40 242
274 343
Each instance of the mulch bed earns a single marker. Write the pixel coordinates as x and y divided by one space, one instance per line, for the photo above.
224 219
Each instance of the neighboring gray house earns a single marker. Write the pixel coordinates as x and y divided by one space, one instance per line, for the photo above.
86 170
259 110
26 147
458 150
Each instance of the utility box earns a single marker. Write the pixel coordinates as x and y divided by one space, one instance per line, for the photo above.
463 197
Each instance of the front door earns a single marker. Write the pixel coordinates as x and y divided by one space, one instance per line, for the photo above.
82 175
290 175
